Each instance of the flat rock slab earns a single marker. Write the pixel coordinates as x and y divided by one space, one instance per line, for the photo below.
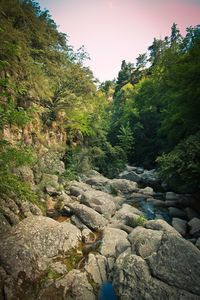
88 216
114 242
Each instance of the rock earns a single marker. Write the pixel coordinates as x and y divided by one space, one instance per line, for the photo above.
160 225
149 177
191 213
77 222
130 175
172 196
147 191
177 213
194 225
180 225
76 286
88 236
49 163
113 238
171 203
25 173
198 243
126 228
101 202
99 182
125 186
96 266
4 225
10 216
26 244
88 216
52 190
127 215
162 265
145 241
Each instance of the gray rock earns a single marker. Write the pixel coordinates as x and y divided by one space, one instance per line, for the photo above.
4 225
171 203
12 218
160 225
127 215
198 243
130 175
25 245
76 286
191 213
125 186
96 266
147 191
49 163
195 226
145 241
180 225
25 173
88 236
99 182
88 216
162 265
177 213
101 202
77 222
149 177
172 196
111 239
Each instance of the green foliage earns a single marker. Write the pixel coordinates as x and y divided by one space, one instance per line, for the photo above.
140 221
181 166
12 187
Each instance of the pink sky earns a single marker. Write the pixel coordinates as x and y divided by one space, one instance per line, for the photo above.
113 30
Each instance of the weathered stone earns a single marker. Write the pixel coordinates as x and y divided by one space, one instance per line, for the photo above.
172 196
198 243
76 286
77 222
4 225
177 213
145 241
10 216
127 215
88 236
113 237
160 225
25 173
147 191
96 266
195 226
180 225
191 213
130 175
101 202
163 266
88 216
25 245
49 163
125 186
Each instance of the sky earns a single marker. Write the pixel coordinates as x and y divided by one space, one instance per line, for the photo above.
114 30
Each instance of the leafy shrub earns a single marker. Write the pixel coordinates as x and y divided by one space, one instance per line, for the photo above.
181 166
140 220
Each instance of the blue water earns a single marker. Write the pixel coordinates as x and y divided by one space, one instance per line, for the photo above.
106 292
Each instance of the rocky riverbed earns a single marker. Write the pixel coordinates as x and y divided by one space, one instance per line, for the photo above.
98 230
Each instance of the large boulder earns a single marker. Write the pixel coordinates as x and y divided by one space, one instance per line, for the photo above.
127 215
97 267
123 185
161 265
25 245
102 202
114 242
88 216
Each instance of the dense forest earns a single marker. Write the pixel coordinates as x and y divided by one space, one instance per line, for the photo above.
149 116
